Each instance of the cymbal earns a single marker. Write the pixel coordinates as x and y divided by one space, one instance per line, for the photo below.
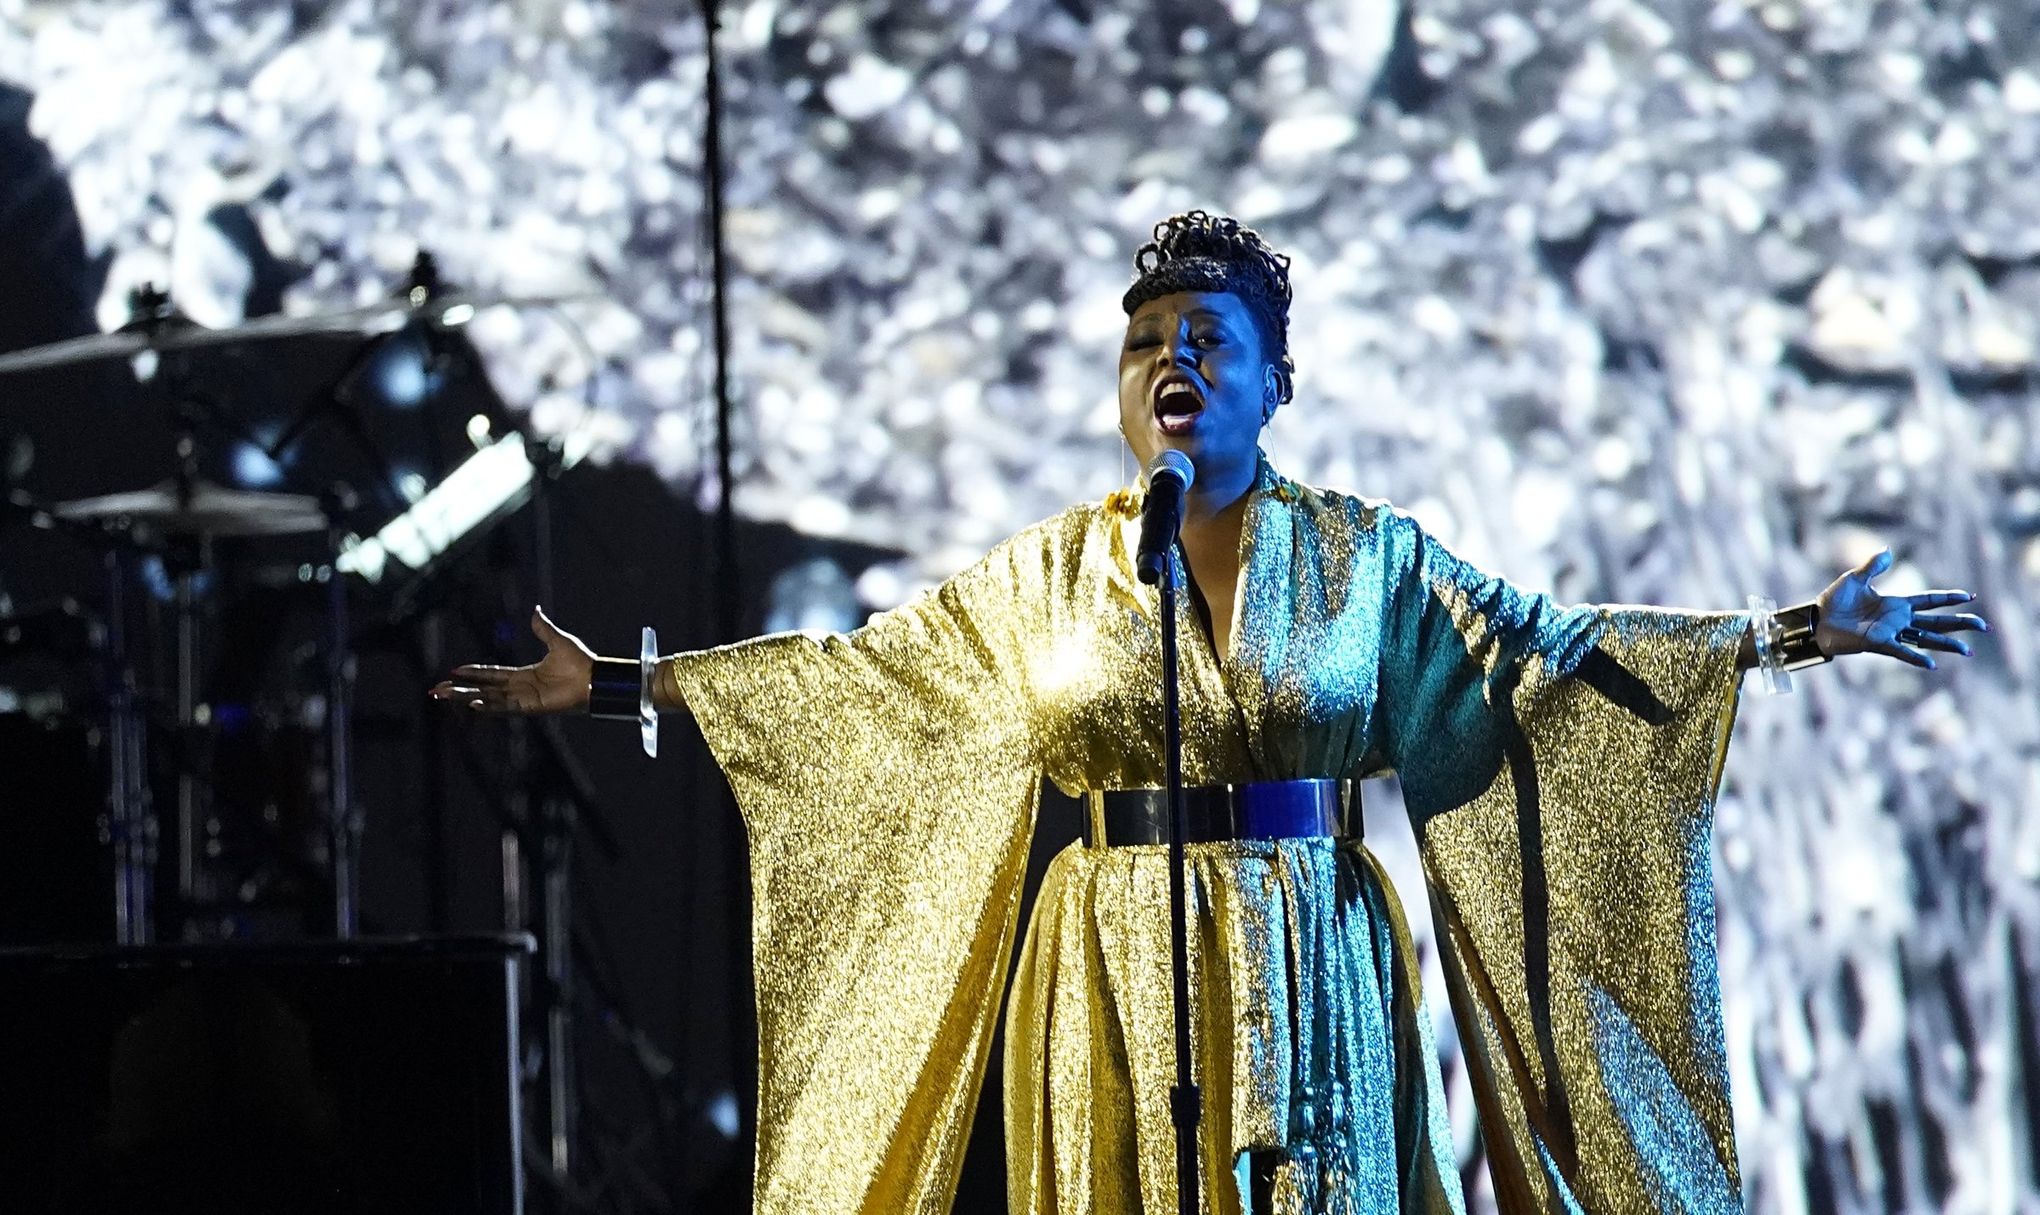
451 310
372 321
89 349
206 509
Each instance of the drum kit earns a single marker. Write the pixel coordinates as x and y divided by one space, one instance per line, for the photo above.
162 734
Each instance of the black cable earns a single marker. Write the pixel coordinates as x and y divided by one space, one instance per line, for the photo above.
728 599
728 594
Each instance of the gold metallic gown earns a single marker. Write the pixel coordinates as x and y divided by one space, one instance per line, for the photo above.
1559 765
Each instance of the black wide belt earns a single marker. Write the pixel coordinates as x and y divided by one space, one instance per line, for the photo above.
1264 810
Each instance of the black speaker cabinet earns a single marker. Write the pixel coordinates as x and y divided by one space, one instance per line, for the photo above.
56 877
366 1076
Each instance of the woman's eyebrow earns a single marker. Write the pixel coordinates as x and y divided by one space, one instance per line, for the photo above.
1194 314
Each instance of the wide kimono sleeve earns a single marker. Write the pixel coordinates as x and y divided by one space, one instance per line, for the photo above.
888 784
1560 766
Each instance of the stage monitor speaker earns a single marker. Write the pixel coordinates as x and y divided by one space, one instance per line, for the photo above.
315 1078
56 877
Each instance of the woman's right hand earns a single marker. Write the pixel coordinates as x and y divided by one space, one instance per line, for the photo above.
557 683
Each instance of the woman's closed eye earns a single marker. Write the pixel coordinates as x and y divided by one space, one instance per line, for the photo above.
1205 340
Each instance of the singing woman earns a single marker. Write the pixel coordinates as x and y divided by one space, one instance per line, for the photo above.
1559 765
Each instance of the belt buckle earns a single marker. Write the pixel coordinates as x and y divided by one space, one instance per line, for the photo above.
1094 819
1312 807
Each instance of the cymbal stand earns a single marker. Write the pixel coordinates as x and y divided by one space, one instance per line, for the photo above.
131 821
130 827
552 798
555 869
188 560
185 559
556 787
343 816
191 886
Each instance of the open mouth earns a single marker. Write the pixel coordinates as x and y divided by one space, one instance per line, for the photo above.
1177 404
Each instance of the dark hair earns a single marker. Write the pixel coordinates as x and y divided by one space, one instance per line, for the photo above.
1196 251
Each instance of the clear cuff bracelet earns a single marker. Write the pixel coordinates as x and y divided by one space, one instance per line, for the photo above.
1784 641
621 690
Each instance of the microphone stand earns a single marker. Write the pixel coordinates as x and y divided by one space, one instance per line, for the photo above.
1186 1100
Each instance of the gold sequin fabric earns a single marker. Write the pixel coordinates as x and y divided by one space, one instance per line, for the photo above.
1560 765
1308 1035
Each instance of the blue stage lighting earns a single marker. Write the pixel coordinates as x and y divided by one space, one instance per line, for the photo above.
401 373
254 468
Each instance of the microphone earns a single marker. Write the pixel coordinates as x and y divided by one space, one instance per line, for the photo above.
1169 477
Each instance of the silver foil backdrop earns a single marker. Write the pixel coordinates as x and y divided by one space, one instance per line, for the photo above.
1648 302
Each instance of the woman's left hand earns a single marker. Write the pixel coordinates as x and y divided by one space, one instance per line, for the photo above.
1855 619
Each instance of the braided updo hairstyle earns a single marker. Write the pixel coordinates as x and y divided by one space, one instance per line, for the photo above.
1196 251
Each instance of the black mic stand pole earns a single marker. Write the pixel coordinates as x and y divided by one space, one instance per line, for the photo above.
550 817
1186 1100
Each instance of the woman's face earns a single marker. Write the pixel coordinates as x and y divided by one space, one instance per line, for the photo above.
1192 376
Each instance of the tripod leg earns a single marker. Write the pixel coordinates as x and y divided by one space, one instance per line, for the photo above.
559 1062
344 819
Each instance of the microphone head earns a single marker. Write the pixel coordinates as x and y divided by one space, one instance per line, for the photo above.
1169 462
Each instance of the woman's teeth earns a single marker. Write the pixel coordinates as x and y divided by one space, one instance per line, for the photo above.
1177 412
1178 408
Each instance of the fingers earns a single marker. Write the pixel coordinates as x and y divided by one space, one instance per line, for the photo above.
1903 654
1935 599
1877 563
1933 641
1927 631
459 691
482 687
475 699
484 674
1956 623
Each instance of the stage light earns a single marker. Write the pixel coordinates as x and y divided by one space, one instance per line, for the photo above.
817 594
400 372
255 468
490 483
722 1114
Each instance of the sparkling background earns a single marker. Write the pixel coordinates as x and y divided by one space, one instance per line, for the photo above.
1662 303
